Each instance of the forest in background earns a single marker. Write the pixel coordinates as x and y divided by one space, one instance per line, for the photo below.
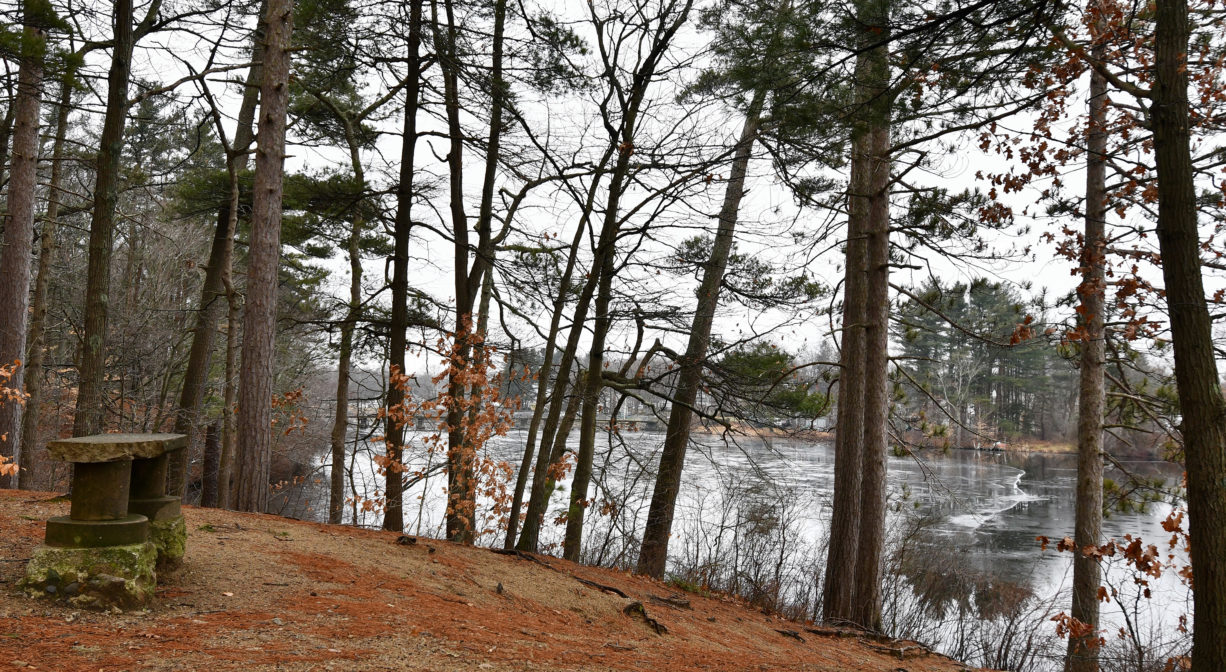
304 232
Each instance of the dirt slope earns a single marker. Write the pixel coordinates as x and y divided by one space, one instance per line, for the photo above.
265 593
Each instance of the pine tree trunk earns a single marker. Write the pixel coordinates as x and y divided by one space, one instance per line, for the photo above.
213 293
653 554
254 432
38 302
866 606
393 512
1087 573
212 467
461 493
18 237
225 471
841 556
1196 374
340 423
91 395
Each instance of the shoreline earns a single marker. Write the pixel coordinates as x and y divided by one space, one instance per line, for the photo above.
743 429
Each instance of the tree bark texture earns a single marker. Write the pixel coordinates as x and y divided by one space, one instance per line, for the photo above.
866 607
91 395
1087 572
18 237
254 431
229 452
852 592
211 472
842 550
1196 374
875 101
38 302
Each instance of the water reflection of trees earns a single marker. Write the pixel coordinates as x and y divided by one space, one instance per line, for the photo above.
936 594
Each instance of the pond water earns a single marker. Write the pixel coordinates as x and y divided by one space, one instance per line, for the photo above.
986 507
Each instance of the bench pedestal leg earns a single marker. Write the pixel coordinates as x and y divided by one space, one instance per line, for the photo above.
121 526
99 556
167 530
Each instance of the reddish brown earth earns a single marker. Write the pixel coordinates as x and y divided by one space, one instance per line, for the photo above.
260 592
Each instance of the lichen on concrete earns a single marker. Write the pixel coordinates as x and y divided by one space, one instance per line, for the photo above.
93 578
170 539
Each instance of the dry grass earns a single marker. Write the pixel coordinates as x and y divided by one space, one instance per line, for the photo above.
1050 447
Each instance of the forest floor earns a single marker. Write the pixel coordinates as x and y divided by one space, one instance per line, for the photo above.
258 592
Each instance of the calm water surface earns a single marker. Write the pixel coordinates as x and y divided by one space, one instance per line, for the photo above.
988 507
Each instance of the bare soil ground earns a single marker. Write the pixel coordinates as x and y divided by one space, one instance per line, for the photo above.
259 592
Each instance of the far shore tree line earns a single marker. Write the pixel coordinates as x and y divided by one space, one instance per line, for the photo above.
302 228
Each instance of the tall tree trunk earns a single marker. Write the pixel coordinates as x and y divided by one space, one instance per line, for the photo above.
1087 572
1196 374
38 303
843 547
545 381
867 602
210 472
593 382
475 359
91 397
653 555
538 499
260 316
18 238
225 471
461 493
866 606
623 139
393 512
603 268
340 423
213 293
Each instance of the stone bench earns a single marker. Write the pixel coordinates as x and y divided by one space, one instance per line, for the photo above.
120 526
